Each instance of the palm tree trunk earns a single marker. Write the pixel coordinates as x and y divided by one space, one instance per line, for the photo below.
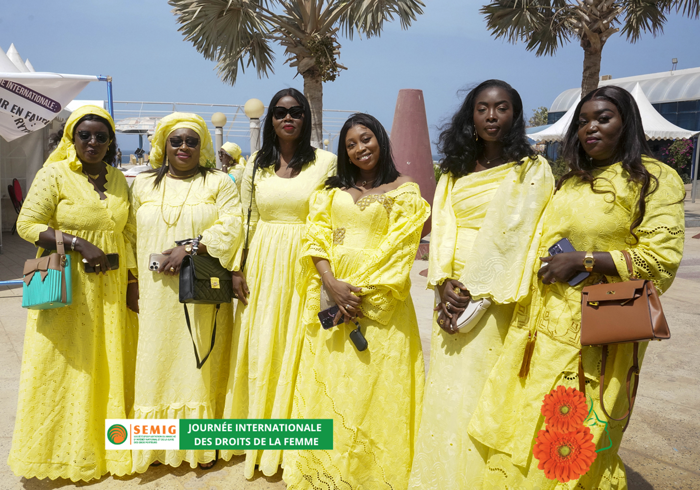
591 65
313 89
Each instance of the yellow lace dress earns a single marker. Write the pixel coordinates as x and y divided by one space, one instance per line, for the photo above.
168 384
508 417
374 397
268 332
486 230
76 357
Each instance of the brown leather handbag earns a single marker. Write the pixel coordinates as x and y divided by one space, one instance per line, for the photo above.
621 312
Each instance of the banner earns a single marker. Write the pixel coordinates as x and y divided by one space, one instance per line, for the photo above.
29 101
198 434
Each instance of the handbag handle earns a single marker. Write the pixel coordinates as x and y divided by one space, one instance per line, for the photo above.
62 261
628 261
634 370
213 337
250 209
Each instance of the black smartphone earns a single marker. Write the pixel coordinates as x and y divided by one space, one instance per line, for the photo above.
564 246
112 259
357 338
327 316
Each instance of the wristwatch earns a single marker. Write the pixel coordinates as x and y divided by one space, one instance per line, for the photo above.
188 248
589 261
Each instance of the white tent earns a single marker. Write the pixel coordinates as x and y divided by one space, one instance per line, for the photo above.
656 127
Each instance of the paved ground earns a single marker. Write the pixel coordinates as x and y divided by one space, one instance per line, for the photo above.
660 448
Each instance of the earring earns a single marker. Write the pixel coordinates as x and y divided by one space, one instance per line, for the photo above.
476 135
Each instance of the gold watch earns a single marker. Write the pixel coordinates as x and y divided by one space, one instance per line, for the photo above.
589 261
188 248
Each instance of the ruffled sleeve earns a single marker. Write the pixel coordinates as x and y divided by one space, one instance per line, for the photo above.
40 205
658 253
385 280
224 238
443 235
318 238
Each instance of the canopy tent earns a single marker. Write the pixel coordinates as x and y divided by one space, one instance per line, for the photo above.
655 126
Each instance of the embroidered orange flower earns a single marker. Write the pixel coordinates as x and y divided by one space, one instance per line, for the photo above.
564 409
564 456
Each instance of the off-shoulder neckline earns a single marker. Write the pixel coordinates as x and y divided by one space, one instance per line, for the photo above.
375 193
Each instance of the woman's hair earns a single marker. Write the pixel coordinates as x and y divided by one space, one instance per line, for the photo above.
112 150
348 174
458 141
269 154
630 148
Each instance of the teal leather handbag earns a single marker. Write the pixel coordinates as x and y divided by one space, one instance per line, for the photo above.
47 280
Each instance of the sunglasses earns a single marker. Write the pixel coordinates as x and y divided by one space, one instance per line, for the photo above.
297 112
190 141
86 136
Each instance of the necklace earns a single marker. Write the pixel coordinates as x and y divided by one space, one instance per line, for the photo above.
182 177
181 207
363 183
488 162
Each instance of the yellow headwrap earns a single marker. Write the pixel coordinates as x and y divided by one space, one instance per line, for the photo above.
178 120
66 148
232 149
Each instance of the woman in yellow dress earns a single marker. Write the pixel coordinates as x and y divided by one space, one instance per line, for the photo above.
614 198
76 357
277 184
362 236
486 222
183 197
232 162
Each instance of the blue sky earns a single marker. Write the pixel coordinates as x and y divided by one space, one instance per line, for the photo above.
447 49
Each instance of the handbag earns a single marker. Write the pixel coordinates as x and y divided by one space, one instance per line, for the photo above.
621 312
471 315
203 280
47 280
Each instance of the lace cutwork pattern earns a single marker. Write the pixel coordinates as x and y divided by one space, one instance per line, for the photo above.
383 199
338 236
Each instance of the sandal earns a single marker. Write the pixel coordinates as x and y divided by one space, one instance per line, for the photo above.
210 464
156 463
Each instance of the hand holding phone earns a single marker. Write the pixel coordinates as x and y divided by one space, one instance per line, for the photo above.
565 246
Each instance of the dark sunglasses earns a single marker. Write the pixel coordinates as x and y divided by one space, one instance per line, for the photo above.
190 141
297 112
86 136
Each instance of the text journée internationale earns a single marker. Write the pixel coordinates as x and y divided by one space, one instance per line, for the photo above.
254 427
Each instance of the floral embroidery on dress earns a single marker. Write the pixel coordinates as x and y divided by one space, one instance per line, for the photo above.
338 236
385 201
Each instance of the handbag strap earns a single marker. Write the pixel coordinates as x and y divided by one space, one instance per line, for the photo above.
628 261
250 210
62 264
213 337
634 370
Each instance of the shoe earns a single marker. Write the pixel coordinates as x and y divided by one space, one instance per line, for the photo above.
212 463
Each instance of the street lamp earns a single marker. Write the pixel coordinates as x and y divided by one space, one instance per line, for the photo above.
254 108
218 119
326 144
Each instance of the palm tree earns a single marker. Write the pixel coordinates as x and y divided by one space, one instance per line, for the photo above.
546 25
239 33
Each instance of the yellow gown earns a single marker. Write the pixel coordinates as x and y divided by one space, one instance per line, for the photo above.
168 384
508 417
268 332
467 213
76 357
374 397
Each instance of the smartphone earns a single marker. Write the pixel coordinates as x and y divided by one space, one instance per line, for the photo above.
112 259
564 246
357 338
327 316
154 261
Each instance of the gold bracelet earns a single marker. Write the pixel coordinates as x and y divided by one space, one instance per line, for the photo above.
133 281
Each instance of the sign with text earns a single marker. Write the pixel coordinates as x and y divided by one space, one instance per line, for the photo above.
197 434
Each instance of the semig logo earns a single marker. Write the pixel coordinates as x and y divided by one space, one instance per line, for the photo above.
117 434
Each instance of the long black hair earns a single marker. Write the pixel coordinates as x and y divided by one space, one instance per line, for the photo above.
348 174
269 154
630 148
458 138
112 149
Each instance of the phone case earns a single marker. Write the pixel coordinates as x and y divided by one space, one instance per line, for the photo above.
112 259
565 246
326 316
154 261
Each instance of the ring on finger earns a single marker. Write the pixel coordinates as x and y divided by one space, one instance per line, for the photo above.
448 305
347 307
172 269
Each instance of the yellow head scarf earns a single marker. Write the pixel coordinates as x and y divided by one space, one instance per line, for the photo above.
232 149
178 120
66 148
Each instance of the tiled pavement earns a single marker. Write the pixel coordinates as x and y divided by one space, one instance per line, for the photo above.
660 448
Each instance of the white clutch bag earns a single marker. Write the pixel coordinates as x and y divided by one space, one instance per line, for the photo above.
471 315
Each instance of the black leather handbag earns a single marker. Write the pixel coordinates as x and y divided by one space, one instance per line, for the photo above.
203 280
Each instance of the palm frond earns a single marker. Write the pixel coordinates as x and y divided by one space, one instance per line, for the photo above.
688 8
642 16
368 16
